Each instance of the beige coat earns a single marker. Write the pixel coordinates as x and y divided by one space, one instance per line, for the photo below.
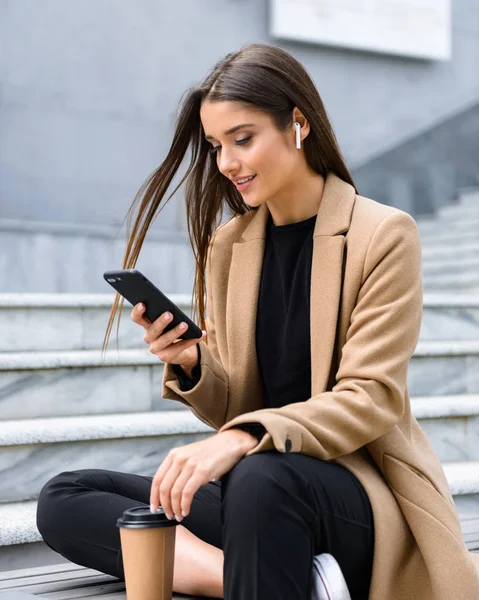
359 413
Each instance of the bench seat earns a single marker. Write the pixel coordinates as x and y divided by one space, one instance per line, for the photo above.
67 582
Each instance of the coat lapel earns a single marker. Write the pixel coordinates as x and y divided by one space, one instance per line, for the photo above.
241 309
334 216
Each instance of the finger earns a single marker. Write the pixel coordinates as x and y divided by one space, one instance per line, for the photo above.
166 338
158 326
177 492
197 479
166 486
171 352
137 315
155 484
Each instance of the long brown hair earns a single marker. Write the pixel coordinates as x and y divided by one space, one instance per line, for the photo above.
265 78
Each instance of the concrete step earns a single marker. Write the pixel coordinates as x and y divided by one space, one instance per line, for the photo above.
458 211
466 206
72 322
134 442
31 257
47 384
138 442
451 424
448 235
454 223
51 384
463 282
451 265
19 525
450 317
37 322
468 196
446 367
432 251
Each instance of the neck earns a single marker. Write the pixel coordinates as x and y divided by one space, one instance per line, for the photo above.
299 202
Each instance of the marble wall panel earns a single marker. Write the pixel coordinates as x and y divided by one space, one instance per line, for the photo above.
25 469
77 391
437 376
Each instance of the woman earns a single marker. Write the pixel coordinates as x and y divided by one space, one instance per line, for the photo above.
314 302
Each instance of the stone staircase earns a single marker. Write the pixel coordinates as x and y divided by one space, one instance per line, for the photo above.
451 245
49 257
62 407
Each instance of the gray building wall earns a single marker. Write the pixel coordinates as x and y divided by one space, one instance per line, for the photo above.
427 171
89 92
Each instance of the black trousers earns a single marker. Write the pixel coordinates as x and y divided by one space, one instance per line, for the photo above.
270 515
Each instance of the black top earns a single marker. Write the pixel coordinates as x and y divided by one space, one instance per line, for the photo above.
282 322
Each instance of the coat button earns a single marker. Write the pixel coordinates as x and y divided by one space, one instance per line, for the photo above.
288 445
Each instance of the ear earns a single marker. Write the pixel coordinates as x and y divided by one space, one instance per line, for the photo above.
303 121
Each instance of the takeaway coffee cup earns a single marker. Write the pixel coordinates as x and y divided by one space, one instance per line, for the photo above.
148 548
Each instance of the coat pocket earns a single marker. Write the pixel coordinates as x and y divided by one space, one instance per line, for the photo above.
414 486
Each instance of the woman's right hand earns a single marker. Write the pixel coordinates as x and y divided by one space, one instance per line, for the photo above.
183 353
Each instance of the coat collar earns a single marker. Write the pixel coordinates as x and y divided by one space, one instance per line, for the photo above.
334 213
333 220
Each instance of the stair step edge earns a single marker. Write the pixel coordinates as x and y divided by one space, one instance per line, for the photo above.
99 427
34 300
19 519
34 360
51 430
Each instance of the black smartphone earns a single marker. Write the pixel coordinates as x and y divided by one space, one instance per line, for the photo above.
135 288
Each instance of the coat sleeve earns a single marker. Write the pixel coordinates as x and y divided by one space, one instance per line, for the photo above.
368 398
208 398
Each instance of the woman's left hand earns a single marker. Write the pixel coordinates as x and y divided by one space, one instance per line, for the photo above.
187 468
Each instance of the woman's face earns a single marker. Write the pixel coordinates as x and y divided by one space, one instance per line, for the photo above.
255 148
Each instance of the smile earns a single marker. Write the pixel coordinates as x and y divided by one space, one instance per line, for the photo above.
245 183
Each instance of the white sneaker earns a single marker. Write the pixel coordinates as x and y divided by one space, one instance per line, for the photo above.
328 580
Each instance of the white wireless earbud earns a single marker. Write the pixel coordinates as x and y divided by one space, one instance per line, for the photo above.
298 134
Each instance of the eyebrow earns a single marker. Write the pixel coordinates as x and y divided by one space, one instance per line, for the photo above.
232 130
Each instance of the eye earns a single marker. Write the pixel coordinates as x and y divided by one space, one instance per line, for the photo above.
242 142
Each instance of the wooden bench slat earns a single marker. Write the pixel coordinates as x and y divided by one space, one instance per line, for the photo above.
50 588
67 581
101 591
45 571
64 579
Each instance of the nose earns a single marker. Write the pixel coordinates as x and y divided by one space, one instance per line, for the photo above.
227 163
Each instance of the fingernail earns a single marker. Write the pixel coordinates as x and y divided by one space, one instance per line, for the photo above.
141 306
177 518
204 332
182 325
167 316
183 513
152 508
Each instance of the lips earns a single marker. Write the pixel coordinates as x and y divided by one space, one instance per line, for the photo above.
244 180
